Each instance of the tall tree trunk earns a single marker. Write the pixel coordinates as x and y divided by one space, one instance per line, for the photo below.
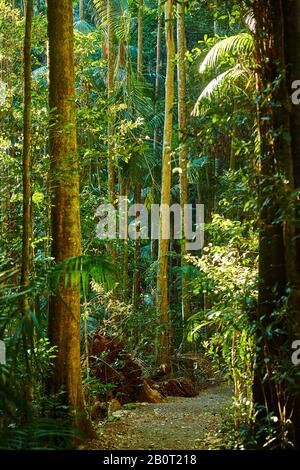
64 318
138 187
110 90
154 243
26 249
291 11
140 38
272 276
162 275
183 148
278 273
157 74
27 205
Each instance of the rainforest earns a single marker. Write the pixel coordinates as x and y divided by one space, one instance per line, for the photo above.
149 226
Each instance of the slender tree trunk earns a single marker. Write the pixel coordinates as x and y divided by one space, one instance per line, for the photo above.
157 74
183 148
162 275
110 90
81 10
64 318
27 231
124 192
140 38
27 206
136 294
138 187
154 243
232 162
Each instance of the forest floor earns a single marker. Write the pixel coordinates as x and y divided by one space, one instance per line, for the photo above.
174 424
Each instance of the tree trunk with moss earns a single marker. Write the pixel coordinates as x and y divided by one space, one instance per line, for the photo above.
64 316
278 269
291 11
164 242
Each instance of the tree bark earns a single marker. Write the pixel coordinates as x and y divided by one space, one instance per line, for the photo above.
138 187
183 147
140 38
162 275
291 11
81 10
278 270
157 74
64 318
110 90
27 210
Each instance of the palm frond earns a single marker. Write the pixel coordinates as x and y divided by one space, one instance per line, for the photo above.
80 269
242 43
40 72
83 27
220 85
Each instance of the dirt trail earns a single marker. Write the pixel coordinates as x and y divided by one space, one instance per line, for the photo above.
175 424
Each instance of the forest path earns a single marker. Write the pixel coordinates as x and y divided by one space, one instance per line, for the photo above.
175 424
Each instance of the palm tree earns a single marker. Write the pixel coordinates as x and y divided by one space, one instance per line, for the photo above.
239 47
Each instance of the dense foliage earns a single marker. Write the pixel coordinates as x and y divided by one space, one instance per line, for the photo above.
218 301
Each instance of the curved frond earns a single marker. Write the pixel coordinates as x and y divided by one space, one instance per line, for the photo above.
80 269
220 85
83 26
233 45
40 72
